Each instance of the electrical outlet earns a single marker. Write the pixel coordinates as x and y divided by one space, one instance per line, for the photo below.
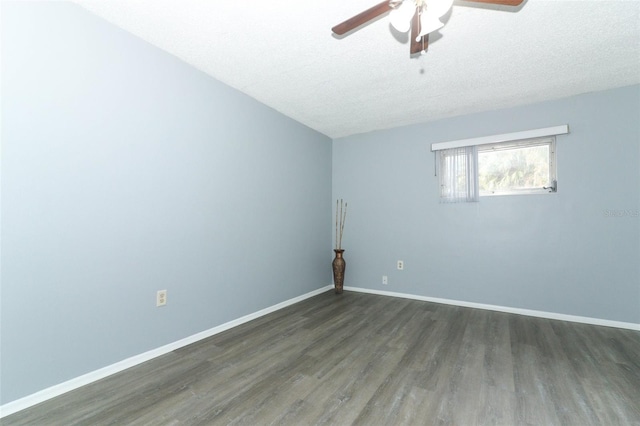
400 265
161 298
385 281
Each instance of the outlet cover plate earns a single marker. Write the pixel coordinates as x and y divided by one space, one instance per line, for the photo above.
161 298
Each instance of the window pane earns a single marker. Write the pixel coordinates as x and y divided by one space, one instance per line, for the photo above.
513 169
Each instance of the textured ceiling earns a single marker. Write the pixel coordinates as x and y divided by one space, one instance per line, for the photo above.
282 53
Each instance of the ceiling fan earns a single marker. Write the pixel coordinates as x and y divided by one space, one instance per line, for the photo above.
421 16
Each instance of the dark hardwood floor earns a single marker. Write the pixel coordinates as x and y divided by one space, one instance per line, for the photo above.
373 360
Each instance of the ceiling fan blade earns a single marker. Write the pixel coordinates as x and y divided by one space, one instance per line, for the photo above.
362 18
423 42
502 2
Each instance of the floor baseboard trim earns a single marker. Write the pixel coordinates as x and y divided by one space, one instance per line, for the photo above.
519 311
59 389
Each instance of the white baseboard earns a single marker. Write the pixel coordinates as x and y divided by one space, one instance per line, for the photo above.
59 389
519 311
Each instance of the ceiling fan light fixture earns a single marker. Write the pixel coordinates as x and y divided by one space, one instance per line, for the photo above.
400 17
431 12
428 24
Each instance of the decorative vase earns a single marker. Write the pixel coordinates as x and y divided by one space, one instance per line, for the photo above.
338 270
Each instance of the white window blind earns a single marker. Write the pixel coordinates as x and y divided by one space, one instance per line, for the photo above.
458 174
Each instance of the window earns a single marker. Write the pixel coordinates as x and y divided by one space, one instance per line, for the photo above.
522 167
514 163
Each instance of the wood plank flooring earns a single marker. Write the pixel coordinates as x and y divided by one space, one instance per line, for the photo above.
363 359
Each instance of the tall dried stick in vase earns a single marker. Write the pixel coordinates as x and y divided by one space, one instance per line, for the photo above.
341 216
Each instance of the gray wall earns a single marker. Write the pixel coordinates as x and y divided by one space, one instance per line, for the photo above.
126 171
576 252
